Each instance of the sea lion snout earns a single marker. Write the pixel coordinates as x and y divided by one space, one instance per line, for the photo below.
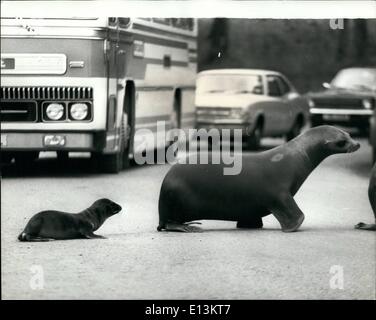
353 147
339 141
111 207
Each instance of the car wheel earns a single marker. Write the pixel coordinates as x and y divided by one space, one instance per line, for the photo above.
295 130
253 141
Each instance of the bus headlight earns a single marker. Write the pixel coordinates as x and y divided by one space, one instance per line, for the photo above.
78 111
55 111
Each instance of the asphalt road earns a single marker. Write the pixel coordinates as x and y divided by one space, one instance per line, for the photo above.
137 262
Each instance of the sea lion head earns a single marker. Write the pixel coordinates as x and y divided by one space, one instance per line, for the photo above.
107 207
337 140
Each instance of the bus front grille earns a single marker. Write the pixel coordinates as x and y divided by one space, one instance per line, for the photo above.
17 111
46 93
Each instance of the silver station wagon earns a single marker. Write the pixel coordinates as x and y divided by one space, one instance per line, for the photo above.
260 102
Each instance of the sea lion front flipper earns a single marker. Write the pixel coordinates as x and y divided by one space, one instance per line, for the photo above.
27 237
366 226
91 235
288 214
180 227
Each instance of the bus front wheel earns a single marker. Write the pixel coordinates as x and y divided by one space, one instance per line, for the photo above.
114 163
110 163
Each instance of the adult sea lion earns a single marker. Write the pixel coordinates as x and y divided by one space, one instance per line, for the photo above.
372 200
57 225
266 184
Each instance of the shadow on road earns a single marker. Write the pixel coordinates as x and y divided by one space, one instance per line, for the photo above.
52 167
361 168
78 167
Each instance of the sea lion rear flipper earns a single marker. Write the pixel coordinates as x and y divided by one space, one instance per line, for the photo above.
179 227
366 226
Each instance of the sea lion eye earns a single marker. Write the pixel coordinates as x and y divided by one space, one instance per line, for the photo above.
341 143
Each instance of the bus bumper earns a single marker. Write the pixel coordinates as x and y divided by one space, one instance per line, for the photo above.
53 141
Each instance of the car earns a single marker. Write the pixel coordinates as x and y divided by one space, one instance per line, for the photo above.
348 100
261 103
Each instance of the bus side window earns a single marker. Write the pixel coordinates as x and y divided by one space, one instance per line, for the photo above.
124 22
167 61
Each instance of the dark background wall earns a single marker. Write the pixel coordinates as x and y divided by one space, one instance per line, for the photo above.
308 52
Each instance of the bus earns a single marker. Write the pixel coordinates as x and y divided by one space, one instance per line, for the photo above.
91 84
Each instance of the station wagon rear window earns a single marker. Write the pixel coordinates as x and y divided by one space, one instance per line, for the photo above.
230 83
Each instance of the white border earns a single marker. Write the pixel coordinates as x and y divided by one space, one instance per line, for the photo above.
193 8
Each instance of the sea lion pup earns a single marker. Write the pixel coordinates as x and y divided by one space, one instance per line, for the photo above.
56 225
266 184
372 200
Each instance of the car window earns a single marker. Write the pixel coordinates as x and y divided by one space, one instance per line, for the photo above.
273 86
285 88
234 83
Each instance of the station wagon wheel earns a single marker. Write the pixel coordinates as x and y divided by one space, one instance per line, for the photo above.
295 130
253 141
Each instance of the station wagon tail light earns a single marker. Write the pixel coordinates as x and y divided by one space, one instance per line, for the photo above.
367 104
55 111
78 111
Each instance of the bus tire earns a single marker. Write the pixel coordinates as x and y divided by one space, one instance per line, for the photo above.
126 138
114 163
111 163
25 159
175 118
